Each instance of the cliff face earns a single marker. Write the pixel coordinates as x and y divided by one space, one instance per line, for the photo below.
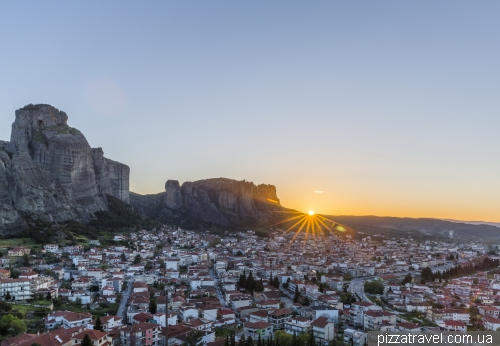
218 201
49 171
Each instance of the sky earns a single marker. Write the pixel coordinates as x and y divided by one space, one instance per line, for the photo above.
386 108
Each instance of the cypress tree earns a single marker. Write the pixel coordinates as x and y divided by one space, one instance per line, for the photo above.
86 341
98 325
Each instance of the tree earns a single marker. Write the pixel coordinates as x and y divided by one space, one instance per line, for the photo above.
193 338
11 325
407 279
282 337
7 296
311 341
137 259
123 257
232 339
152 306
243 280
86 341
259 286
297 294
249 341
98 325
276 282
25 260
242 341
49 296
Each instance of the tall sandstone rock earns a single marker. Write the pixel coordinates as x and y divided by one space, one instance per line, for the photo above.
223 201
49 171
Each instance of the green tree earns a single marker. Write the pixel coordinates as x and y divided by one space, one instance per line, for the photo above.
232 339
297 294
137 259
11 325
243 280
242 341
249 341
49 296
25 260
98 325
152 306
407 279
276 282
7 296
86 341
282 337
193 338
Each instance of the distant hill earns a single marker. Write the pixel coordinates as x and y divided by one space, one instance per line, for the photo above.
419 227
496 224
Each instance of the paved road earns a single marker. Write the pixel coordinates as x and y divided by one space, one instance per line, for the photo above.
126 294
217 287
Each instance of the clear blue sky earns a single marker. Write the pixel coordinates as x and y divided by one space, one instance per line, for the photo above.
388 107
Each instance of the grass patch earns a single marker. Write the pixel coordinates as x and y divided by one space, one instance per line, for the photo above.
15 242
415 317
22 309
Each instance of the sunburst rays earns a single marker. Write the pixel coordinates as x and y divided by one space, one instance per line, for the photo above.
310 225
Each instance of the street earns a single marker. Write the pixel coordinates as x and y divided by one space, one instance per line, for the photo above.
126 294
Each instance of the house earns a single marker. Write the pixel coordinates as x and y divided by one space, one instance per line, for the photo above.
455 326
19 251
379 320
326 311
354 337
254 329
51 247
76 319
98 338
4 274
408 327
278 318
491 323
297 325
141 334
259 316
323 330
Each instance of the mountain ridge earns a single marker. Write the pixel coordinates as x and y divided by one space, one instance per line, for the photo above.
48 171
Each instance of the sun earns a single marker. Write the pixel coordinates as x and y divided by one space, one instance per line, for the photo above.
311 212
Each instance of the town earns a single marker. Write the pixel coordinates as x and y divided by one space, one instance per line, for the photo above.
170 286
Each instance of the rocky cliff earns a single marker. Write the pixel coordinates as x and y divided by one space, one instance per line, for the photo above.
49 171
218 201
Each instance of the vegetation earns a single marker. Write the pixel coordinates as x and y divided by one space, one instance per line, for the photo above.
374 287
250 283
119 218
11 326
426 274
193 338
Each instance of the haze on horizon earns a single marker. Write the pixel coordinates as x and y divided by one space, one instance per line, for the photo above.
367 108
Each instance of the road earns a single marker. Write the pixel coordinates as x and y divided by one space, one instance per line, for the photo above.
125 296
356 285
217 287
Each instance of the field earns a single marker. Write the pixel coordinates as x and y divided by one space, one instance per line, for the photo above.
13 242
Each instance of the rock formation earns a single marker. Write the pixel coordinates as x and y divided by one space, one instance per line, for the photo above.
49 171
218 201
